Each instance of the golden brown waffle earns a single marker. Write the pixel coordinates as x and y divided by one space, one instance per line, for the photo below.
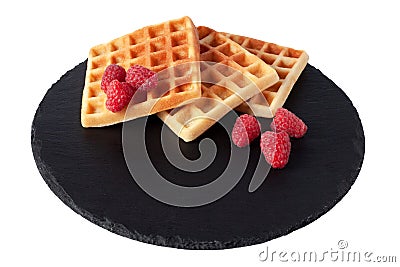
156 47
236 76
288 63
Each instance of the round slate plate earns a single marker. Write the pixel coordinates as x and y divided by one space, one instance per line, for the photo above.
86 169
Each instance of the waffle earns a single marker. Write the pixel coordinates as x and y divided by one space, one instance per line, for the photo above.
156 47
229 76
288 63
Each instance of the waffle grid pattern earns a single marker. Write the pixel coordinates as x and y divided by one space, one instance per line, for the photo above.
288 63
156 47
229 74
214 47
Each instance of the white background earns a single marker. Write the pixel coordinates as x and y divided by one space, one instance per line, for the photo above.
355 43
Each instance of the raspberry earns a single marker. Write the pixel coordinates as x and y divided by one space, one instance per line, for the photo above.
285 120
276 148
119 94
112 72
140 77
245 130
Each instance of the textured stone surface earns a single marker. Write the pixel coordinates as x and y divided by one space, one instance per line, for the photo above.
85 168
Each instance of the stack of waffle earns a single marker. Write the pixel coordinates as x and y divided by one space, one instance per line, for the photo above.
202 75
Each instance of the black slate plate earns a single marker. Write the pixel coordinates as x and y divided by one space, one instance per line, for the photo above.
86 169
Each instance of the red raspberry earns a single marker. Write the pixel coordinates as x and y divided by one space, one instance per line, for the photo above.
276 148
285 120
140 77
119 94
245 130
112 72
